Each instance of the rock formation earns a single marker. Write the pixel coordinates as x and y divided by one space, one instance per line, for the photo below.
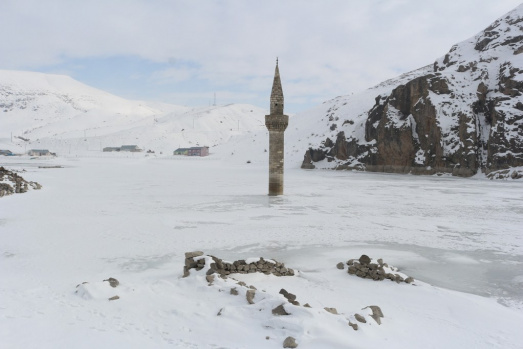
11 183
364 268
196 260
460 115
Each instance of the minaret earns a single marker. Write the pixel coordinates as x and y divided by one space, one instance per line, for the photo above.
276 123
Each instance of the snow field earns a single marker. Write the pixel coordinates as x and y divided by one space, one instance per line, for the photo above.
134 218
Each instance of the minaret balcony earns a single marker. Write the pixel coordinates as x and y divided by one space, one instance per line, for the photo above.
276 122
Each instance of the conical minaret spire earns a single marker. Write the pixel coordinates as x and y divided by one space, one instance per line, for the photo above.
277 93
276 123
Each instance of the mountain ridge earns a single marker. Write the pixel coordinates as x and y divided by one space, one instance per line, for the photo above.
40 110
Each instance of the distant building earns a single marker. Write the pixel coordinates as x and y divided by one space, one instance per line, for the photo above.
181 151
6 152
130 148
39 152
192 151
109 149
198 151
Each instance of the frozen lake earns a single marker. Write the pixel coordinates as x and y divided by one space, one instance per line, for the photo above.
464 234
133 215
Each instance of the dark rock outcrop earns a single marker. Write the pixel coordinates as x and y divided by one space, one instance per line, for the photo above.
12 183
453 117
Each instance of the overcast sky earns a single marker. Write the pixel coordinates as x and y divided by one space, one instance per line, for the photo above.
182 52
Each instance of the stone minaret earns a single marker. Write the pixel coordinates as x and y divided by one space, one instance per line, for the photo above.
276 123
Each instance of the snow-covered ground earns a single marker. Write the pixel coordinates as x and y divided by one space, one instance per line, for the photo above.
134 218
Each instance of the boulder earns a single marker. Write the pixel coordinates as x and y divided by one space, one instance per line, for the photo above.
112 282
364 259
250 296
360 318
280 310
193 254
377 314
331 310
290 342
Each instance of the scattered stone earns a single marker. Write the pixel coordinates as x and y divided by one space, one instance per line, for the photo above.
360 318
113 298
340 265
280 310
354 326
350 262
409 280
307 305
234 291
193 254
186 272
289 296
267 337
209 278
364 259
220 312
331 310
113 282
380 262
250 296
290 342
377 314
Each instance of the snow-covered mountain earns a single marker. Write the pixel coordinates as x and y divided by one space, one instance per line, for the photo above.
63 115
462 114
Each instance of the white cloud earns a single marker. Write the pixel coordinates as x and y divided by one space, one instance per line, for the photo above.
338 46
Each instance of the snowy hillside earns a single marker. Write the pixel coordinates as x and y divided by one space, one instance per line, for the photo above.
462 114
62 115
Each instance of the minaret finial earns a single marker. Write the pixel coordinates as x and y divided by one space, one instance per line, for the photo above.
276 93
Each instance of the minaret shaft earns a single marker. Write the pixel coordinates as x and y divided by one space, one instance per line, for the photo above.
276 123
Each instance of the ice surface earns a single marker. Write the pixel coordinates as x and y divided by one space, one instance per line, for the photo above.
133 219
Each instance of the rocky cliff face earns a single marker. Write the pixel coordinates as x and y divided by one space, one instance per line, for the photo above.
460 115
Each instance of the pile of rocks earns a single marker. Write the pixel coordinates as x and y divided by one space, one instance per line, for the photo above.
511 173
11 183
364 268
217 274
196 260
